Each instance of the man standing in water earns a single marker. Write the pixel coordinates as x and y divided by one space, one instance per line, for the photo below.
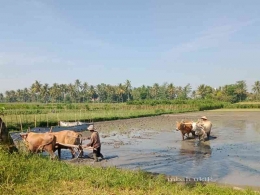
95 143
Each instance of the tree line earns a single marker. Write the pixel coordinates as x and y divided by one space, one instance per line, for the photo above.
80 92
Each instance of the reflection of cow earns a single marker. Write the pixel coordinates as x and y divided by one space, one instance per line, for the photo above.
186 128
197 151
38 142
68 137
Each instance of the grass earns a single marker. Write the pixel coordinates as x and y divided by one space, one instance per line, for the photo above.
34 174
97 113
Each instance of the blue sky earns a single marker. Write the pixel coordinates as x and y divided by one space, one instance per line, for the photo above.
147 42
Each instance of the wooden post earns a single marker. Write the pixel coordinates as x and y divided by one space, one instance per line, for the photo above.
21 123
75 117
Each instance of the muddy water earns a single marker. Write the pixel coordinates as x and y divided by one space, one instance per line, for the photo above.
231 156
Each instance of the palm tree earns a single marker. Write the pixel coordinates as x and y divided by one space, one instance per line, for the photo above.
85 90
171 91
35 89
241 90
121 91
78 87
186 91
26 95
92 93
45 93
155 90
128 89
55 92
64 91
256 89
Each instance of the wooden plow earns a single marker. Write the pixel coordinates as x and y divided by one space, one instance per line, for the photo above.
78 147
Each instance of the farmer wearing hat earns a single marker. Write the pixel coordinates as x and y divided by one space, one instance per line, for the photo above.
204 118
95 143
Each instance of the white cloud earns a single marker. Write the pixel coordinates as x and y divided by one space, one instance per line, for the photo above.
212 37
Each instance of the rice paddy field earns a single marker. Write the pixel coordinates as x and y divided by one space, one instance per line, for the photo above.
23 173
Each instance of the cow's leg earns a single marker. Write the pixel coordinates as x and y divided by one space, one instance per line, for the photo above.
182 136
204 136
72 152
59 152
50 151
208 134
81 152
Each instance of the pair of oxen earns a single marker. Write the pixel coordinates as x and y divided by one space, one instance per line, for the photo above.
200 128
52 141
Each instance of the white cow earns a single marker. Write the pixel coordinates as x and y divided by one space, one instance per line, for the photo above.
204 129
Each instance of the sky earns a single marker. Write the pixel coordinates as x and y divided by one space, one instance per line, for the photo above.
180 42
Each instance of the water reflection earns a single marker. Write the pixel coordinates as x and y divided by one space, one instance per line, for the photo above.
195 150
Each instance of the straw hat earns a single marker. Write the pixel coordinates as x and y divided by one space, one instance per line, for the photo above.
204 117
91 128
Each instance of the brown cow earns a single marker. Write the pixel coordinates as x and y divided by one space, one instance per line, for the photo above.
38 142
186 128
68 137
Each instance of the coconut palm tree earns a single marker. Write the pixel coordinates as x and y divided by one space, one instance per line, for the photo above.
155 91
256 89
241 90
78 87
128 88
171 91
45 93
35 89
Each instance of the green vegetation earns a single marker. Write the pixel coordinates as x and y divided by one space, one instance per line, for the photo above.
24 115
33 174
79 92
51 114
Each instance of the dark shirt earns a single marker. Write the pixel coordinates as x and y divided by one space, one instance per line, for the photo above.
94 140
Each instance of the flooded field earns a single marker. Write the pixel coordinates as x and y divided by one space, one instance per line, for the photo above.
231 156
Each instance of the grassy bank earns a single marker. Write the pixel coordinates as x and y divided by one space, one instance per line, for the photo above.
32 174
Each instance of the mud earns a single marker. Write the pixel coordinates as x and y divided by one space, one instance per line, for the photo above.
230 156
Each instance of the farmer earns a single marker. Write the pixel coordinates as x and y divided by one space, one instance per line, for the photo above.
95 143
204 118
